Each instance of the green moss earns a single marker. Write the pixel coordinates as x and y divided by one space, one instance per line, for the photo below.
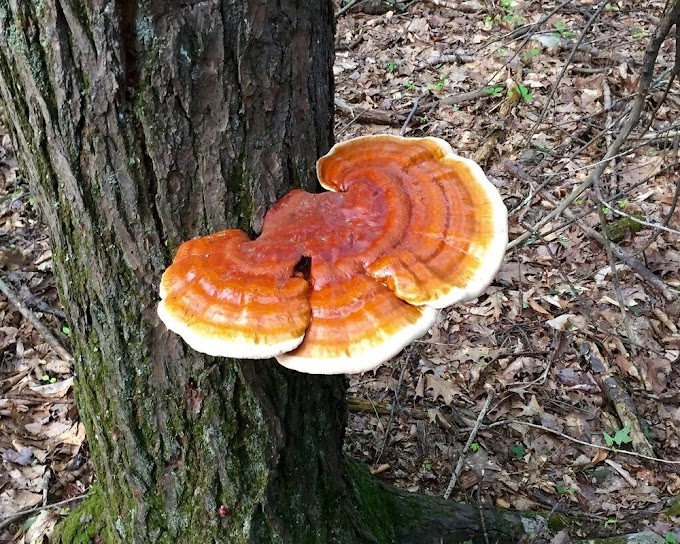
673 510
556 523
371 502
30 46
240 186
81 11
617 230
85 524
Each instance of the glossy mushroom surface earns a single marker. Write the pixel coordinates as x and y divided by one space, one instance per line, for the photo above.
341 281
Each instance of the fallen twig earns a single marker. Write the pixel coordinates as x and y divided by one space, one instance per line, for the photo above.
618 396
646 76
351 45
407 360
636 265
544 521
457 5
411 113
577 441
450 58
364 406
344 9
473 434
522 31
460 98
622 472
370 115
480 511
7 520
565 67
606 91
37 325
637 220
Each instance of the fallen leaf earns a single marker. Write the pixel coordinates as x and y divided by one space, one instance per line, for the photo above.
531 409
50 430
654 372
42 527
568 322
14 500
58 366
600 455
74 436
548 40
440 388
23 457
627 366
53 390
538 308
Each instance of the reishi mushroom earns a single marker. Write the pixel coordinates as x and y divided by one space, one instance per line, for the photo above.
341 281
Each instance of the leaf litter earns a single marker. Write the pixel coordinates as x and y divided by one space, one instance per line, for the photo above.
485 79
482 76
42 442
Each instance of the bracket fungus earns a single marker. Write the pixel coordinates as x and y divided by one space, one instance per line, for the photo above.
341 281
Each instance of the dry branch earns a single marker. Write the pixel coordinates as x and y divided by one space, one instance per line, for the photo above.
473 434
510 422
37 325
370 115
618 396
644 84
8 520
624 256
603 224
450 58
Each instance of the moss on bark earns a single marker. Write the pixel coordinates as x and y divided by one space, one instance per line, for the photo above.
85 524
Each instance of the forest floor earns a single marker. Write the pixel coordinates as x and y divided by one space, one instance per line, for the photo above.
571 356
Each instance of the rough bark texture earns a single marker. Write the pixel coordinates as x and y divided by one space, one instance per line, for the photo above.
140 125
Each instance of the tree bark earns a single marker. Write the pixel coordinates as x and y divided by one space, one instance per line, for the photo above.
143 124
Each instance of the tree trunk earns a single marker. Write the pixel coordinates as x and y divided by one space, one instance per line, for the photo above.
143 124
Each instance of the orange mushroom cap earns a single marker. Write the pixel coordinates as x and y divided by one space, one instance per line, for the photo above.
341 281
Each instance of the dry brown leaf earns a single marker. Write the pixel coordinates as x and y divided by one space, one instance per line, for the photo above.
643 168
538 308
50 430
28 478
492 306
42 528
15 500
552 421
74 436
440 388
654 372
531 409
53 390
568 322
627 366
58 366
471 353
600 455
661 315
8 407
508 375
524 503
